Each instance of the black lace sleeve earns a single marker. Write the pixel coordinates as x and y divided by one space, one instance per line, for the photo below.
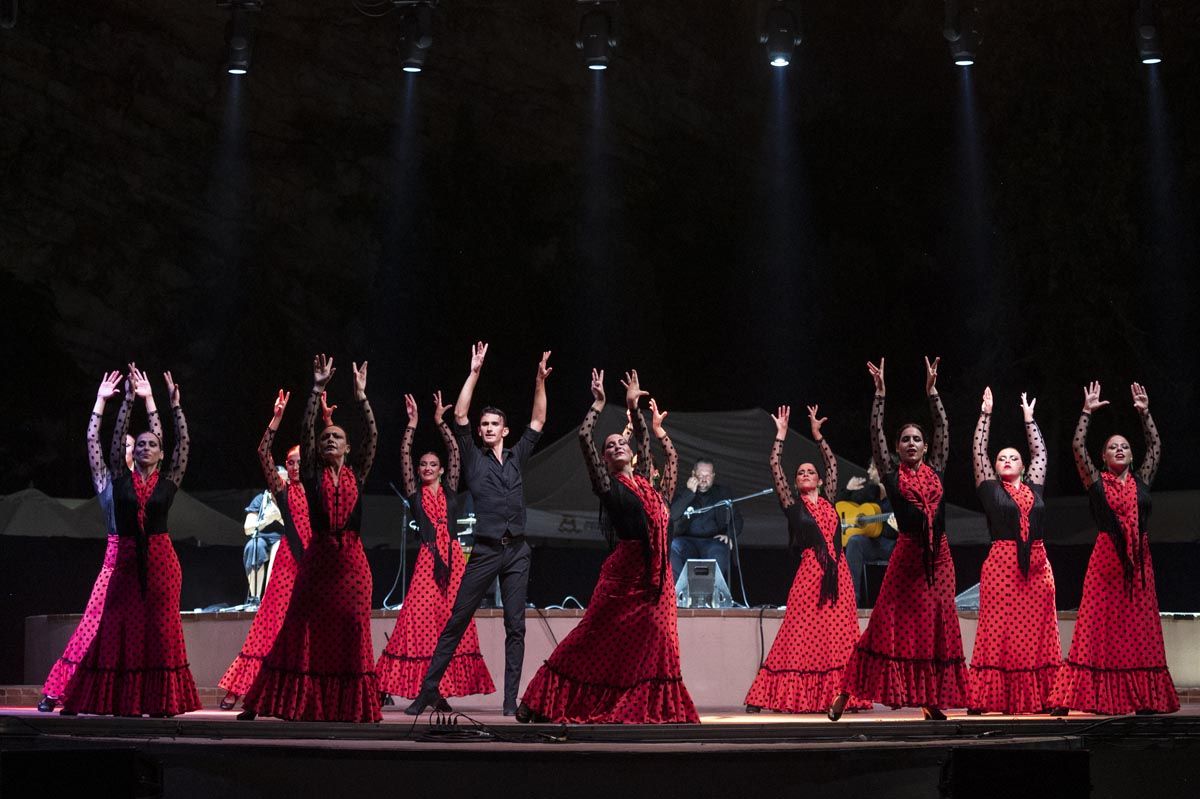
308 434
179 458
1083 461
116 453
95 452
1036 473
155 423
642 435
366 457
831 470
407 474
941 435
453 459
781 484
979 450
267 461
879 446
601 482
1153 449
670 471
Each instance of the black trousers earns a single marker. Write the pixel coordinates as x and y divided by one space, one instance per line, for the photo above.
489 558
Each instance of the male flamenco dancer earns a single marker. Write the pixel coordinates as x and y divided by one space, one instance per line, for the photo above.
493 476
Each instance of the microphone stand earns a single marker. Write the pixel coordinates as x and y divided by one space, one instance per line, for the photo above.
402 574
737 556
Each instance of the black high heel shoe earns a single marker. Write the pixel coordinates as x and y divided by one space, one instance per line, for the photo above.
974 711
247 715
47 704
932 713
839 705
753 709
1059 711
428 699
229 702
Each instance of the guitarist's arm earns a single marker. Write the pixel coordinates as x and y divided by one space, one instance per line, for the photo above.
979 444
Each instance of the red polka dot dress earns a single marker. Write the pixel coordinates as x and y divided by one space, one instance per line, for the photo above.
322 665
911 653
136 663
1117 662
268 620
621 662
1017 651
803 671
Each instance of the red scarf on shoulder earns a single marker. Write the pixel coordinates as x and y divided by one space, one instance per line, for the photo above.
922 487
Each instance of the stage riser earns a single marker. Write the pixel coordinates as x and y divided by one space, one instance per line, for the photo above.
720 652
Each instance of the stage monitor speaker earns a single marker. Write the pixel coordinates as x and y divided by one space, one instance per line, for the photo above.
97 773
994 772
701 585
968 600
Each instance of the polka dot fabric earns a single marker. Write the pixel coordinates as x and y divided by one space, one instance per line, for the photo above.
322 667
85 632
803 671
268 620
426 610
621 662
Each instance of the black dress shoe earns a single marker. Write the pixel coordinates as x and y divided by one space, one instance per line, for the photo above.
509 710
428 699
524 714
247 715
229 702
47 704
839 705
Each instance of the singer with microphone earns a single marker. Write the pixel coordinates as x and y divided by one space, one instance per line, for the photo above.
703 535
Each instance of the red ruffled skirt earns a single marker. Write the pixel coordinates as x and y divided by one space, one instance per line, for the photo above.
268 621
426 610
136 662
1017 651
803 672
321 667
1117 663
60 674
911 652
621 662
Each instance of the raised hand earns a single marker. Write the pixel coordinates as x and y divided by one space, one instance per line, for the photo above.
814 422
1027 406
410 407
172 390
327 410
598 386
322 370
656 419
877 376
1141 400
360 380
931 368
478 353
141 383
544 370
781 418
1091 397
986 407
439 410
281 402
108 386
633 389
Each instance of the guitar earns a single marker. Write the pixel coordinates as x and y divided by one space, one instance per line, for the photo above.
863 519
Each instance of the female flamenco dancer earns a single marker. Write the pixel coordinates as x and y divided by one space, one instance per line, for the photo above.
621 663
439 570
121 454
911 652
1017 651
321 667
803 672
137 662
268 620
1117 663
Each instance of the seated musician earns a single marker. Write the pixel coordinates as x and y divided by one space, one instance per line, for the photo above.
705 535
862 549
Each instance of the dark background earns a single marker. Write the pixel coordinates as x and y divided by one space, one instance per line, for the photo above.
741 235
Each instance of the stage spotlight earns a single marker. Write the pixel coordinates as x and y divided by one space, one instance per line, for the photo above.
597 32
961 34
239 34
8 14
1145 32
416 32
780 32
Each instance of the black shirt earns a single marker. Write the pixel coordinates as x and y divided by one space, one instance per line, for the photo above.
706 525
497 489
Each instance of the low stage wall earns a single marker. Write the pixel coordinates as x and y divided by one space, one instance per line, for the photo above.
720 648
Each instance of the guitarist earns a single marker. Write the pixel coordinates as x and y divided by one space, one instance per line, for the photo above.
860 549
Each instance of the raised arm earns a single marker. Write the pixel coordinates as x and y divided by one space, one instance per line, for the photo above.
265 459
601 482
323 370
1036 473
116 452
537 419
462 406
406 463
782 488
179 457
1088 472
979 443
453 459
143 389
669 475
633 395
941 437
831 467
879 447
366 450
1141 402
100 474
